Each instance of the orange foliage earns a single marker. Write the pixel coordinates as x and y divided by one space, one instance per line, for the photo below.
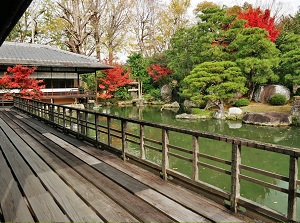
17 77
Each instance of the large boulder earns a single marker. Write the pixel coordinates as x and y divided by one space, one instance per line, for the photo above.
218 114
172 105
235 111
166 93
268 119
264 93
296 108
189 104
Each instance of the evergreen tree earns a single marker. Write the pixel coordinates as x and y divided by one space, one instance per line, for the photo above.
217 82
257 56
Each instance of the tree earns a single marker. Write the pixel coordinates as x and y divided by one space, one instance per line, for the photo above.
289 68
17 77
256 55
159 74
204 42
143 25
262 19
138 70
170 19
30 27
115 78
113 26
217 82
77 15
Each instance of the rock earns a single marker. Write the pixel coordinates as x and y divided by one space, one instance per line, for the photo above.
296 108
268 119
188 116
173 105
235 111
166 93
218 115
264 93
189 104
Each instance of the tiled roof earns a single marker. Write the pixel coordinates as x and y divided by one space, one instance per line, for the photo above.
46 56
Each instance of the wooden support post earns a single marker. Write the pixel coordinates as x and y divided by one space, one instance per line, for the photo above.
292 196
195 158
124 141
142 142
109 138
165 155
235 180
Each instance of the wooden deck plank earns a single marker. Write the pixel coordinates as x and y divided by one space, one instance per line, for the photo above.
170 207
120 178
43 206
75 208
12 203
188 199
72 149
100 202
134 205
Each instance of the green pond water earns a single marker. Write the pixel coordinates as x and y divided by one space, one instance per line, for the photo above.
277 163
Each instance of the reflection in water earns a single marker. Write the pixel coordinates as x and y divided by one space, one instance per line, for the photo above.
287 136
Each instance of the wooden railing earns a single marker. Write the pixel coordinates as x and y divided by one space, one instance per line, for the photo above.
135 144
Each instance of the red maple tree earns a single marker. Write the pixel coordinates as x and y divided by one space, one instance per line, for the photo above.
115 78
17 77
158 73
262 19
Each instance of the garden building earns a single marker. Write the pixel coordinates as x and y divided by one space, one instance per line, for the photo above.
60 70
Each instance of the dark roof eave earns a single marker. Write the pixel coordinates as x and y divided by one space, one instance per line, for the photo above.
95 66
10 13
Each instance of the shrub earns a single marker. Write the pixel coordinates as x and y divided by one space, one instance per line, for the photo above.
242 102
298 92
277 99
201 112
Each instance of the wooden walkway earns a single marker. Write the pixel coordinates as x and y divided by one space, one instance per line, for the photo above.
47 176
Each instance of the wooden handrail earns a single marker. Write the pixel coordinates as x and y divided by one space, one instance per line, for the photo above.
80 123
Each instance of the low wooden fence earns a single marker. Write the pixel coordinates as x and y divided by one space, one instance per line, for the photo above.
113 133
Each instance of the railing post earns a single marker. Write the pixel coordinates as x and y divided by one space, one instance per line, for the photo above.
165 155
142 142
292 196
97 130
77 122
71 119
235 178
109 138
51 113
86 115
64 119
124 142
195 158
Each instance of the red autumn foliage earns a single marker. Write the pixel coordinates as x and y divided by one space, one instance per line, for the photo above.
114 79
158 73
17 77
262 19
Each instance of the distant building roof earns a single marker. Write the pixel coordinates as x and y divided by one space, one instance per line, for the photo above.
46 56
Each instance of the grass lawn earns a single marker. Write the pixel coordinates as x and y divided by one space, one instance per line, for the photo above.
260 107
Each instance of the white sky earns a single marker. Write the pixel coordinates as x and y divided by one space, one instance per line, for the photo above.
289 6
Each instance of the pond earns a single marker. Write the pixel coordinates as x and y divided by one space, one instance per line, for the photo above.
277 163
